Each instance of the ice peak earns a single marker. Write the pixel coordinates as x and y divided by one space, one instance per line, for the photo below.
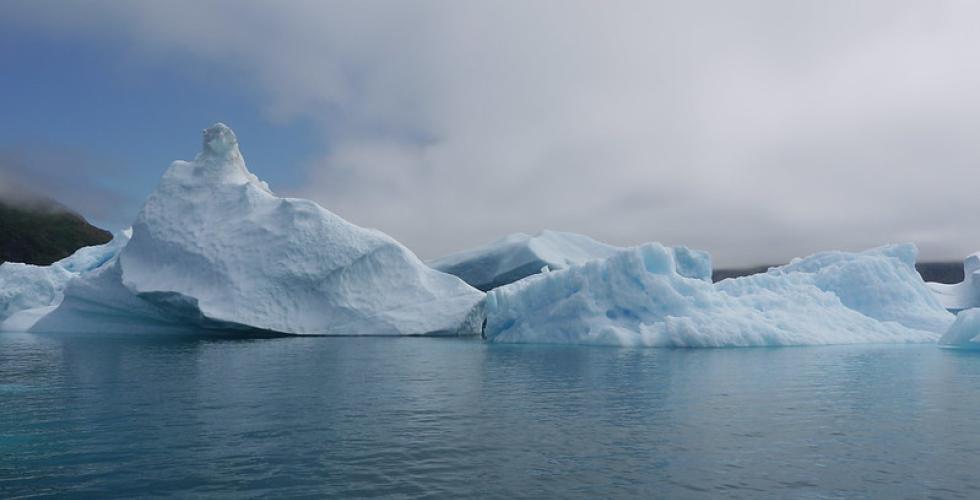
220 142
220 159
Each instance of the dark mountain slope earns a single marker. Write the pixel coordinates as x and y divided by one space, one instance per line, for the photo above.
42 232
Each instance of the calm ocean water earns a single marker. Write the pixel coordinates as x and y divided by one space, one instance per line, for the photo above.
415 417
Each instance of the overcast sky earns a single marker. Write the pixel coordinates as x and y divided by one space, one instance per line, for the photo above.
758 130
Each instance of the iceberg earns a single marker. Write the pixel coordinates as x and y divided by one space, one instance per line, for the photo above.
213 247
965 331
520 255
963 295
26 287
639 297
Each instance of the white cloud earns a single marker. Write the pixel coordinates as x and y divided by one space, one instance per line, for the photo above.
757 130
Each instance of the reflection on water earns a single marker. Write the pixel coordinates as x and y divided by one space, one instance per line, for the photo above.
125 416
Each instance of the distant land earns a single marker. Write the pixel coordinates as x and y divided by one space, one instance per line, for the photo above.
939 272
43 231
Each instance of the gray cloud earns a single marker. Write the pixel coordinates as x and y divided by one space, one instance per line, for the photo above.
758 130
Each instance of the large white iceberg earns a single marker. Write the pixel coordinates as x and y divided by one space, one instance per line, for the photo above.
26 287
965 295
520 255
638 297
213 247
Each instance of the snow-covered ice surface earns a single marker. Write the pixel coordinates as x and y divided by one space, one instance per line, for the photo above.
520 255
213 247
965 330
964 295
26 287
638 297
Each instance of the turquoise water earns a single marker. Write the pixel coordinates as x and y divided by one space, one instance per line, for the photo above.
415 417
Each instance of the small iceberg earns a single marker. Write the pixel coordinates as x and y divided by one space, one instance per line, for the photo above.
27 292
965 331
520 255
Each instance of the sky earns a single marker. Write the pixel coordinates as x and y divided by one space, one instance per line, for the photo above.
756 130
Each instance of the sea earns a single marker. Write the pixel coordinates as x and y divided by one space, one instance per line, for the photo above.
90 416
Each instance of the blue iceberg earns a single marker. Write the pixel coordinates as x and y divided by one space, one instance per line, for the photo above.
639 297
